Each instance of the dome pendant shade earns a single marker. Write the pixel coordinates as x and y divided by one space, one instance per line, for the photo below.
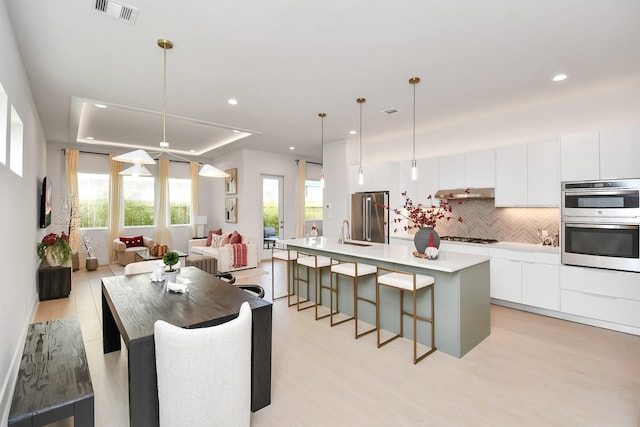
212 172
138 157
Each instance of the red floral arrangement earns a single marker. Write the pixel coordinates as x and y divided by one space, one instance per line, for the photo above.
58 245
419 216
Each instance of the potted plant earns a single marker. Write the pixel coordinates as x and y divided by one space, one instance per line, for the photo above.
170 259
54 249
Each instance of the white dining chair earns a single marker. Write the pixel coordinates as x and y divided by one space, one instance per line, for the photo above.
142 266
204 374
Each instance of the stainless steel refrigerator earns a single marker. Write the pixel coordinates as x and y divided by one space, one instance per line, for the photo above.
369 219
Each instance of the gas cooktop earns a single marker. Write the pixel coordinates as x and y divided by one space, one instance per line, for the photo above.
468 239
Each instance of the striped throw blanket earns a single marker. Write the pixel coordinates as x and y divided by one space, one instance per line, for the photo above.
239 255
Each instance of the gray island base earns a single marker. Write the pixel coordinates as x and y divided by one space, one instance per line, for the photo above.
462 301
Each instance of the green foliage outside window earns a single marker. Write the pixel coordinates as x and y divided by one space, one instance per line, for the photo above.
137 213
270 215
180 213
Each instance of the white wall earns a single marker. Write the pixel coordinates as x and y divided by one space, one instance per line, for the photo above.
18 218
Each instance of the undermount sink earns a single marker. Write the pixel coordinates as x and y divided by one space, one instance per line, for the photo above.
351 242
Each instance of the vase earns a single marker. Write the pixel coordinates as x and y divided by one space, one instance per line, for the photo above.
52 258
422 237
170 276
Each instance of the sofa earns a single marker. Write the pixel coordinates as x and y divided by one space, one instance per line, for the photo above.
127 255
224 253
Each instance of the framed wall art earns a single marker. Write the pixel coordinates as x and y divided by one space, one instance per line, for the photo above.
231 182
231 209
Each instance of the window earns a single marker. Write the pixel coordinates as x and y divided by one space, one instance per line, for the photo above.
4 113
93 200
139 200
312 200
180 201
16 147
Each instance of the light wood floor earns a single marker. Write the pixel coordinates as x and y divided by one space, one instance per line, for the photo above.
532 371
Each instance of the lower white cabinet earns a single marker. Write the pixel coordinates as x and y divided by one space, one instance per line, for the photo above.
506 279
540 285
611 296
525 278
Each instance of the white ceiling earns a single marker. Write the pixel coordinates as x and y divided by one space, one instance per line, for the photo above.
486 69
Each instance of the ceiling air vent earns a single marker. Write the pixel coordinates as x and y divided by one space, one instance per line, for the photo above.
390 111
117 10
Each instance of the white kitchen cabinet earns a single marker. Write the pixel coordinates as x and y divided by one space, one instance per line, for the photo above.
543 174
470 170
528 175
511 176
479 169
451 172
580 156
620 153
506 279
611 296
427 178
540 285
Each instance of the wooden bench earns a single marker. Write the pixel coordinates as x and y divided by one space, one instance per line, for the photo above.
54 380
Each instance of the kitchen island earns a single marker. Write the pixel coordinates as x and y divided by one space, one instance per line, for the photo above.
462 301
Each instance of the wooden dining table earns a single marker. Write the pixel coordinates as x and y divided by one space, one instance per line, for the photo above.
131 304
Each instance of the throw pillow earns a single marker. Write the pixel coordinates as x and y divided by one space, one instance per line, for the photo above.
216 240
235 238
211 233
132 242
225 239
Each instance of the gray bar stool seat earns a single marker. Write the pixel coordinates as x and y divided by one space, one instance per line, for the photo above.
406 282
355 271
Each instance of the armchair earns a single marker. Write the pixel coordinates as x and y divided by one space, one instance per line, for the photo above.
127 255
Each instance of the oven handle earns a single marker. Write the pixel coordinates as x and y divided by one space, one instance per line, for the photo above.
605 226
601 193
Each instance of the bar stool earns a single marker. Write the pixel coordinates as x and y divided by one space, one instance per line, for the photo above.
354 270
315 263
406 282
290 257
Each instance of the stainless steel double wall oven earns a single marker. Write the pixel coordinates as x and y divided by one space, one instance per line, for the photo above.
601 224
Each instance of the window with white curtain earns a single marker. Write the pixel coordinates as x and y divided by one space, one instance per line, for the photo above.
180 201
93 200
139 200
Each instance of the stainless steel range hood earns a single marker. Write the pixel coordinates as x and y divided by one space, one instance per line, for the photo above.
466 193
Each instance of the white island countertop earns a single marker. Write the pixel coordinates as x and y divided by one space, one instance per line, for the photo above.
447 261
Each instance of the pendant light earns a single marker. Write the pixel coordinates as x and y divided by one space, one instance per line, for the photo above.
360 172
322 116
140 157
414 169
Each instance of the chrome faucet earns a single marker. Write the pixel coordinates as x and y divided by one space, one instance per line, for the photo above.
342 233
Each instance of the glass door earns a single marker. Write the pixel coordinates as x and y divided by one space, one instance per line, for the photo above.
272 212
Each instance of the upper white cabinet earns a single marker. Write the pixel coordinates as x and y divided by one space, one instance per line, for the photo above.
580 158
608 154
511 176
470 170
451 172
543 173
527 175
480 169
620 153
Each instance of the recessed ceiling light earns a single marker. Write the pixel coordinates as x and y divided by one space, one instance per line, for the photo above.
90 137
292 148
559 77
352 132
232 101
236 131
192 151
100 105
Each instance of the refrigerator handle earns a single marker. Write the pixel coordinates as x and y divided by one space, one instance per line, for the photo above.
367 219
